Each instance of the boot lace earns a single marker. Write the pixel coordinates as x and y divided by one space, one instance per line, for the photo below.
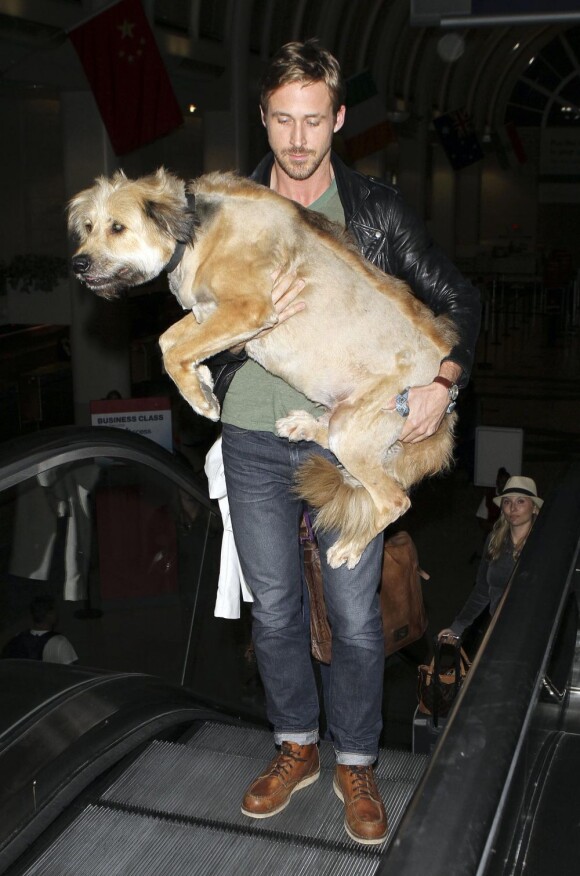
286 760
363 783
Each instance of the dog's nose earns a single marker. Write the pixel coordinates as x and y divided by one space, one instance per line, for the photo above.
81 264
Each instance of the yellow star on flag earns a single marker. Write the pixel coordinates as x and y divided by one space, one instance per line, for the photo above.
126 29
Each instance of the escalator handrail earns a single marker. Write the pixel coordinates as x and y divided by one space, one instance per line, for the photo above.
451 823
32 454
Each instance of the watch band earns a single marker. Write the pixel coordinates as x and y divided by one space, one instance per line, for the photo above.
443 381
452 390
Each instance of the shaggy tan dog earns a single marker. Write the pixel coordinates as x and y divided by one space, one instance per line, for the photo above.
362 338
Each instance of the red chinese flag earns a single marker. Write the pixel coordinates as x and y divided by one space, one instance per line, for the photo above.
126 72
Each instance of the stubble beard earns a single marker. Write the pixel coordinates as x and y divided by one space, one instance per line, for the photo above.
299 171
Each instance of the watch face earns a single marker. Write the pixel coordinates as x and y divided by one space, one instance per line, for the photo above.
453 392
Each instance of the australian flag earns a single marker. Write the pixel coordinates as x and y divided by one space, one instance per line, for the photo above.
458 138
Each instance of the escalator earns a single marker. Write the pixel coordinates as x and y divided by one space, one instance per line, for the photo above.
112 769
174 808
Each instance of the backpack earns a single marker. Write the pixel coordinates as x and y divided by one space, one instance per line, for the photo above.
26 646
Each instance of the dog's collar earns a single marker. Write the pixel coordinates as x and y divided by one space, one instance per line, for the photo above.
180 244
175 258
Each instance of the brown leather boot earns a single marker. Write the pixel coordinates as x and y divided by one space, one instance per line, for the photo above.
295 767
365 819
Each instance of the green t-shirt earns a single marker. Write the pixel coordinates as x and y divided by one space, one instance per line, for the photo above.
256 398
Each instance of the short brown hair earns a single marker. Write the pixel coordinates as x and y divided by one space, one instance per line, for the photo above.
303 62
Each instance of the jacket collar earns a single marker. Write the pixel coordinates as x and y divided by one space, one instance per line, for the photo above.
353 188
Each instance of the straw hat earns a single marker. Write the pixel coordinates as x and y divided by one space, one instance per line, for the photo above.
519 486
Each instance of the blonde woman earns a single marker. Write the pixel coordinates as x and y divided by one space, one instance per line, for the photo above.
519 504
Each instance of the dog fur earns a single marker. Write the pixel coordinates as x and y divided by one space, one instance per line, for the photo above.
361 339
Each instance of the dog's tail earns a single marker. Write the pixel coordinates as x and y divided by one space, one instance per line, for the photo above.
342 503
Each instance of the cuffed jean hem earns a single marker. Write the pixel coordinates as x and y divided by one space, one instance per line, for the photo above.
351 758
310 737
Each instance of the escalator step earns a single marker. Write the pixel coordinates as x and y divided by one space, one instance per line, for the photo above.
105 842
175 811
208 785
259 745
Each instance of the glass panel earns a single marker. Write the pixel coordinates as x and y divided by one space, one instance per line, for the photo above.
123 551
522 117
572 37
540 73
570 93
556 55
526 95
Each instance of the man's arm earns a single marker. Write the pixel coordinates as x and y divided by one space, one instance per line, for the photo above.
436 281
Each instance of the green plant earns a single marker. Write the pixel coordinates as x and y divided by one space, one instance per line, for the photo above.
30 272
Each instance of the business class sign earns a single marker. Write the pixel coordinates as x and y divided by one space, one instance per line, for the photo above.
150 417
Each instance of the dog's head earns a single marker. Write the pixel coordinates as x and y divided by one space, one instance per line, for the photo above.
127 230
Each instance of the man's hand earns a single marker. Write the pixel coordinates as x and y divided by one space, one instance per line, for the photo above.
447 636
285 290
427 406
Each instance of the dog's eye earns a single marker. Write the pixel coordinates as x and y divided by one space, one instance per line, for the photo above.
88 226
116 227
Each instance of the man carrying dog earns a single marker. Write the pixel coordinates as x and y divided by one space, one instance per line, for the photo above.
302 106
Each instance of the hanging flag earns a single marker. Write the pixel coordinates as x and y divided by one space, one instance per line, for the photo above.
127 75
458 137
366 127
516 144
508 146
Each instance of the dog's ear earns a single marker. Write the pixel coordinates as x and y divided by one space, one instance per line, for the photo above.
164 205
76 211
172 218
118 178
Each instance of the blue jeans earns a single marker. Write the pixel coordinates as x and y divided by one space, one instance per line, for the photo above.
265 513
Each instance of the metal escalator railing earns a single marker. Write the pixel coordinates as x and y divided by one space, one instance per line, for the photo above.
454 819
27 455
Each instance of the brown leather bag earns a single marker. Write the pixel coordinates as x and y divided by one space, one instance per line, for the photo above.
402 606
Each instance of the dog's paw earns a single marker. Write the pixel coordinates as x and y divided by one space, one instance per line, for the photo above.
196 389
206 386
298 426
207 405
343 553
209 409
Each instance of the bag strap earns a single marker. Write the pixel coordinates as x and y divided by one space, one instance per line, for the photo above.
309 535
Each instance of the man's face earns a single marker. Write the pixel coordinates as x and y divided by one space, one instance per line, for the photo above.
300 124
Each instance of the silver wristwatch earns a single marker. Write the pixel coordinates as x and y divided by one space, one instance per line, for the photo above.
452 389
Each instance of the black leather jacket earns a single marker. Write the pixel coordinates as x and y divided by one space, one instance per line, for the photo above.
393 238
